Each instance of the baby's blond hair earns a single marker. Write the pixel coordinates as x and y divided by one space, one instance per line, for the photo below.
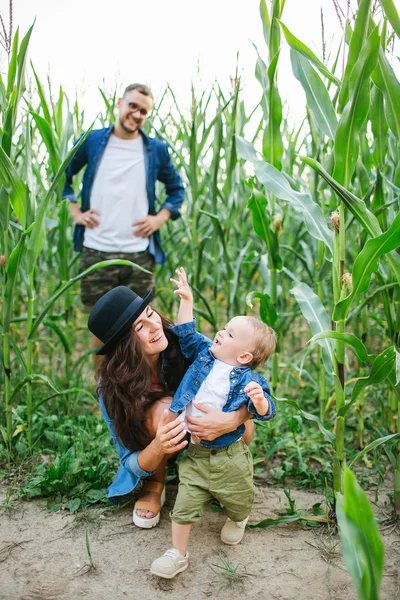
264 343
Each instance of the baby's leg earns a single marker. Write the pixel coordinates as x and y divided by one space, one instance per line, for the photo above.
180 536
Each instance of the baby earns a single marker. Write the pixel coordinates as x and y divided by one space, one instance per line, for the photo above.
221 376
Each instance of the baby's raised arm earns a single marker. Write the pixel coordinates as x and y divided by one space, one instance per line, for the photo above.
185 313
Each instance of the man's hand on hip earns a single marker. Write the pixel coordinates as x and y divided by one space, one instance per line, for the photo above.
146 227
87 219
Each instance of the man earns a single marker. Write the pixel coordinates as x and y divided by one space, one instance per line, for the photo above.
118 217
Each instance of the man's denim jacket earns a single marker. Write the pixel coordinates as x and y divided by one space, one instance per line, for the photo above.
196 347
158 167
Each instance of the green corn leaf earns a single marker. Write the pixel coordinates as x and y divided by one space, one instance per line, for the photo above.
392 14
67 392
237 270
246 149
47 133
268 312
275 32
22 57
385 79
277 184
296 44
261 73
379 126
12 65
349 339
220 233
18 190
42 97
63 240
397 380
318 99
367 263
272 138
15 87
355 112
313 311
394 187
12 267
70 282
382 366
33 378
329 436
382 441
266 21
358 208
37 239
60 334
362 546
357 41
262 226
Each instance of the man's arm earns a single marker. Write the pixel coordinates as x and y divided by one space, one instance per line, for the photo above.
77 163
169 176
150 223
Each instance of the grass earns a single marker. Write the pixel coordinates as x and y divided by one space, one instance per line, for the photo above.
229 575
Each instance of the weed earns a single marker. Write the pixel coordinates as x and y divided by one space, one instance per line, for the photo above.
228 574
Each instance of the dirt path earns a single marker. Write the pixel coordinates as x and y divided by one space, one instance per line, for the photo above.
42 559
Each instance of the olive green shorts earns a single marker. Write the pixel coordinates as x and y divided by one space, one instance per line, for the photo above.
225 474
95 285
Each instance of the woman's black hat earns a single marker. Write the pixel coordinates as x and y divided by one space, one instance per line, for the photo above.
112 315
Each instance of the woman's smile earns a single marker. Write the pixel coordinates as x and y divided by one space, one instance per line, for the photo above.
158 336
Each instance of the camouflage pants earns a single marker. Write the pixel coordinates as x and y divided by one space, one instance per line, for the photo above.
95 285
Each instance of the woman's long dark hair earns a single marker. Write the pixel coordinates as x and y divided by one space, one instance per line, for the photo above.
126 383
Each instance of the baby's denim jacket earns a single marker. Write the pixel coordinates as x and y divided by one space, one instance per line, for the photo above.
196 346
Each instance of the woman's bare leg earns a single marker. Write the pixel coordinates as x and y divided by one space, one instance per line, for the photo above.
159 477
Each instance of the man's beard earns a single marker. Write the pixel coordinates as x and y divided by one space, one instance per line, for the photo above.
128 129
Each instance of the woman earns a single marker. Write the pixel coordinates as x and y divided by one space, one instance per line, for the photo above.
141 369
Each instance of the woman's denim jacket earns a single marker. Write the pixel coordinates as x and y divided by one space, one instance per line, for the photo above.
196 346
129 472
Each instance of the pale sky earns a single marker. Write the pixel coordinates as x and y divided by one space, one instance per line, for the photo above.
83 44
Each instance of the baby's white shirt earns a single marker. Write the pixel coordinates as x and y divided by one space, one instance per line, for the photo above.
213 392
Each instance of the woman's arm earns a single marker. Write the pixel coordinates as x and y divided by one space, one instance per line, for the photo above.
168 437
143 463
215 422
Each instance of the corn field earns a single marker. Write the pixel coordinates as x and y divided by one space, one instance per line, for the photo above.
301 225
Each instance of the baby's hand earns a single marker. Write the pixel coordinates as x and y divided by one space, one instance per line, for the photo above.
183 290
256 394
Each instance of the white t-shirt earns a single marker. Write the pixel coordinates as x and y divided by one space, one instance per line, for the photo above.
119 194
213 392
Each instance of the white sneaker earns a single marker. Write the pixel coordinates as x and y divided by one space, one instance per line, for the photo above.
170 564
232 533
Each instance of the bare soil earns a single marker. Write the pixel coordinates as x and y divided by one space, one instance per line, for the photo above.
44 557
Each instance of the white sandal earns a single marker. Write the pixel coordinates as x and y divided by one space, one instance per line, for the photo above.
149 486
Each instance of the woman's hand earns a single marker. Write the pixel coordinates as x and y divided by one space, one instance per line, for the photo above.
215 422
170 434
